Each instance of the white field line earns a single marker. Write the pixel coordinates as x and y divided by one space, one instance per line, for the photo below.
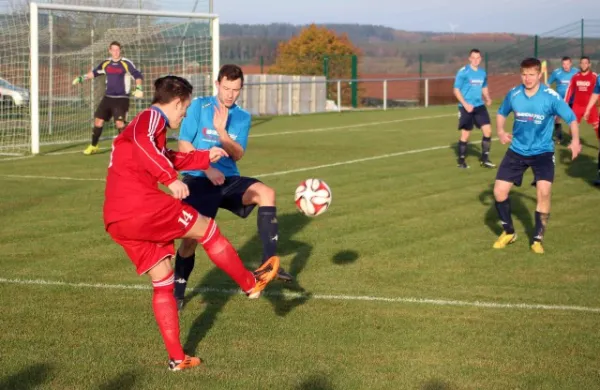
14 158
317 130
278 173
324 297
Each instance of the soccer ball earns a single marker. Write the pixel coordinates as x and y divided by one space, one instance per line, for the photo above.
313 197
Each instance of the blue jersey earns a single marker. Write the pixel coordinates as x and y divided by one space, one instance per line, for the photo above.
562 80
597 87
117 84
534 119
198 128
470 83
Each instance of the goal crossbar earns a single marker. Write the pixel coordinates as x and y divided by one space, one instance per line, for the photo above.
34 9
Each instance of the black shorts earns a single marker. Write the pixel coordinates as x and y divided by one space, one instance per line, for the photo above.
112 108
207 198
479 117
514 165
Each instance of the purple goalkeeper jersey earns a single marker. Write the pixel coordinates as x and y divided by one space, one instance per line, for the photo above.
116 73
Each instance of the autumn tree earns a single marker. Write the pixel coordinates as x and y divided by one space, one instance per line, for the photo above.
306 53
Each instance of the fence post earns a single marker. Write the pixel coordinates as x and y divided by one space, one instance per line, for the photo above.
426 92
487 67
290 103
354 81
262 64
582 39
339 95
535 46
420 65
385 89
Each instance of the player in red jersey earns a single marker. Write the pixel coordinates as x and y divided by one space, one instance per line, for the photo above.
145 221
581 89
591 107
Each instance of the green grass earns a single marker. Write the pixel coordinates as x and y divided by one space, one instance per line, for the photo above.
408 226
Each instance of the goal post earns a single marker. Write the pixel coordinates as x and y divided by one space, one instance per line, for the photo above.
157 42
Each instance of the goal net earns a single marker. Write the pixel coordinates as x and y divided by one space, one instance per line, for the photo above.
51 44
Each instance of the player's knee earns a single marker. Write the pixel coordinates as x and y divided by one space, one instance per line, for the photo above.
266 196
98 122
187 247
500 193
543 192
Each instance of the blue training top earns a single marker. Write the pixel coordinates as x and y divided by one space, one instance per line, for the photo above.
470 83
197 128
534 118
562 80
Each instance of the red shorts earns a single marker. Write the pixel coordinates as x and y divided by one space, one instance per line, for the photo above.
593 119
150 238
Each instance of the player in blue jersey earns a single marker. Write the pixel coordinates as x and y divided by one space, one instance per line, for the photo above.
562 78
115 102
218 121
590 107
471 91
531 146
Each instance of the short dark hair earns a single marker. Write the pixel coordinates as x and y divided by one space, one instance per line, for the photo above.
114 43
531 62
232 72
475 51
168 88
585 58
566 58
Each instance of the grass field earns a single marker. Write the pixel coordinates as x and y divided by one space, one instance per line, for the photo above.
397 284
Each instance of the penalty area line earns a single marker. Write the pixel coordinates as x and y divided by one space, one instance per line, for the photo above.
323 297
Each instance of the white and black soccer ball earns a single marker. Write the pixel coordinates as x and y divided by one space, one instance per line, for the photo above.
313 197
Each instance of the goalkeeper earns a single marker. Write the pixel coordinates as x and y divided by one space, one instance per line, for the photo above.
115 102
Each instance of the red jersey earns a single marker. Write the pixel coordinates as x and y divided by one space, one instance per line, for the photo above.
138 162
581 88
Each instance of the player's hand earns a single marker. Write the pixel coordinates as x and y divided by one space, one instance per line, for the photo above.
215 176
488 102
179 189
586 115
575 147
78 80
468 107
215 154
505 138
138 93
220 117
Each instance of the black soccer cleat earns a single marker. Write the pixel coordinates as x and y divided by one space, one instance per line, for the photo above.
462 165
597 182
284 276
487 164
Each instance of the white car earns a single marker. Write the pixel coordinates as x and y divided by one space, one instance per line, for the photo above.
11 93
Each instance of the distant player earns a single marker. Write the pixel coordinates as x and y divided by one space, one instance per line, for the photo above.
470 89
562 78
531 146
115 102
218 121
580 91
591 107
145 221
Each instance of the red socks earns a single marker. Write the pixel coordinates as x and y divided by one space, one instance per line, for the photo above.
222 253
165 311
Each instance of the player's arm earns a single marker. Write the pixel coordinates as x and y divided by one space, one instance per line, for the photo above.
570 90
552 79
486 92
593 99
146 150
503 112
233 148
138 77
458 81
196 160
563 110
97 71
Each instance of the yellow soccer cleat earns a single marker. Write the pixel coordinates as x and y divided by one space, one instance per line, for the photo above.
91 149
537 247
504 240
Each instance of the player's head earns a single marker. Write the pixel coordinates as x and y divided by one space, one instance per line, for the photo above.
475 58
567 63
115 50
229 84
531 72
173 95
584 63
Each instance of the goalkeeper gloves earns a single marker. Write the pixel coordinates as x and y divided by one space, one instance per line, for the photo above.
138 93
78 80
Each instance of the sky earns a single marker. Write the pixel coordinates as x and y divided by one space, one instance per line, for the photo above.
467 16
